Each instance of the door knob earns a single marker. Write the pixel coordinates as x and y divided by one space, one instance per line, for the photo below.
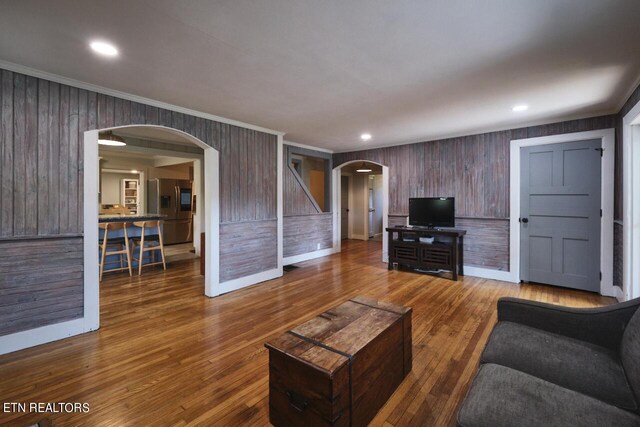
524 220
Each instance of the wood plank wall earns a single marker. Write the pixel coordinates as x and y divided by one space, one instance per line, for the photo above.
304 228
248 250
307 233
474 169
40 282
486 243
296 201
41 162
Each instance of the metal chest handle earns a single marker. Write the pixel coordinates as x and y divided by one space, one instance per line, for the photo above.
297 400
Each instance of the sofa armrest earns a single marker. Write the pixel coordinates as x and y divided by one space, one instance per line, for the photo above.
602 326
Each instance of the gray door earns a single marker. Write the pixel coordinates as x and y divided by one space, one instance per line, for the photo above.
560 214
344 207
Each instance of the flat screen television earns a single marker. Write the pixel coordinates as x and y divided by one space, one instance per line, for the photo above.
432 211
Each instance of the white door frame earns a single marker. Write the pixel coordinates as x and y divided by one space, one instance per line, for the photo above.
337 190
212 220
607 136
631 204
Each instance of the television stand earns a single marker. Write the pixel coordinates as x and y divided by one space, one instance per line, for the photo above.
445 253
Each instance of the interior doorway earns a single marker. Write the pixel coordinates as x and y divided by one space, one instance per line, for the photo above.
345 185
606 141
361 194
202 210
560 214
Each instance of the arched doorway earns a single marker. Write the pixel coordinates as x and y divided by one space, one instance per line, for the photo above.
210 226
338 211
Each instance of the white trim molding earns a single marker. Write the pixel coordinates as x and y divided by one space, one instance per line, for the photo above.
337 212
607 136
294 259
631 204
21 69
487 273
308 147
254 279
280 207
42 335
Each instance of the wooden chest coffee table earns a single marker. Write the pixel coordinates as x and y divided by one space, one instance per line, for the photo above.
340 367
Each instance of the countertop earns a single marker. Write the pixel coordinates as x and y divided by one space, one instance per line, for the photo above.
129 218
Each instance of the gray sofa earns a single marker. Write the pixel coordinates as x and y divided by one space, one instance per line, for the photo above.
548 365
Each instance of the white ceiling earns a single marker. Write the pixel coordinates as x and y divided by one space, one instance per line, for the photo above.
324 71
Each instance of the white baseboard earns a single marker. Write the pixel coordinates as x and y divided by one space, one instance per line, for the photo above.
41 335
243 282
310 255
358 237
618 294
488 273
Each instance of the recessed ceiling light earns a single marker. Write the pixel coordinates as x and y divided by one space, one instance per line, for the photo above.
521 107
365 136
104 48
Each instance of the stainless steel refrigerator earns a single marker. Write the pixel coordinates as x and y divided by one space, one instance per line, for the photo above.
173 198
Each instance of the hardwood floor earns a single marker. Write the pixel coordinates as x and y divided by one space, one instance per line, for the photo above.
167 355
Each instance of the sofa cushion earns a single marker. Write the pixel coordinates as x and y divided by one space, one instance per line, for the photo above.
630 352
577 365
501 396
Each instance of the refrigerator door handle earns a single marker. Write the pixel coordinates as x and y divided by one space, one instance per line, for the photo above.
177 190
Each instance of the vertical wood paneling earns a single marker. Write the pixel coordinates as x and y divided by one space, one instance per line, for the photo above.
189 124
122 113
164 118
177 120
83 125
43 156
151 115
63 171
472 191
138 112
31 158
106 111
474 169
72 167
253 159
431 161
42 127
6 214
201 129
53 213
19 156
243 177
296 201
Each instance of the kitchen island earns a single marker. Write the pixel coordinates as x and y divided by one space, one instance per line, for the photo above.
129 218
113 262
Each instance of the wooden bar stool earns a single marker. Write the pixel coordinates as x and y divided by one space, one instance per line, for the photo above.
115 246
149 243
